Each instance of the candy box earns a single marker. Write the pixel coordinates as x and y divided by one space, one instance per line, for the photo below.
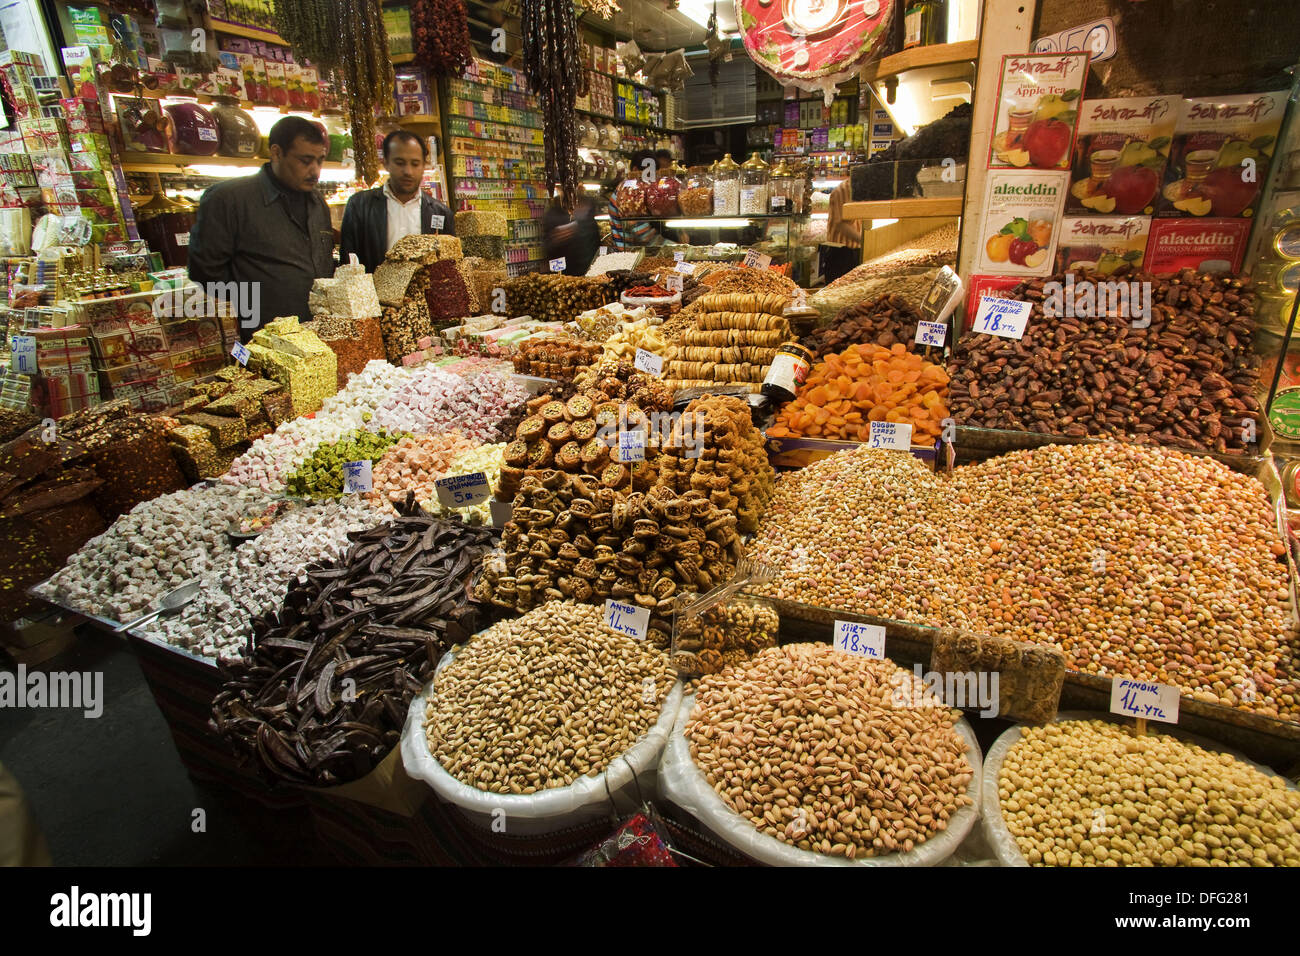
1206 245
278 82
1102 243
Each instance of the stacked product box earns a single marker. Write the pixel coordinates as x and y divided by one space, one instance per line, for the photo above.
132 355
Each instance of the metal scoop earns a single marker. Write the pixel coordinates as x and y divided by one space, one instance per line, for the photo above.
171 602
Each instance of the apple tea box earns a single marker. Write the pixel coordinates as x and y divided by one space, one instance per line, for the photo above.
1221 154
1120 155
1022 218
1104 244
1038 99
1206 245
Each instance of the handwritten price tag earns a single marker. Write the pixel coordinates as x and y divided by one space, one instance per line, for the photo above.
240 351
756 260
894 436
1135 698
649 363
799 299
930 333
603 250
1004 317
679 256
559 265
463 491
22 354
673 283
437 221
867 640
631 446
357 477
685 268
627 619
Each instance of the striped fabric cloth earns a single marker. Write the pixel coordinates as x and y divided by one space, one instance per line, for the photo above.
630 234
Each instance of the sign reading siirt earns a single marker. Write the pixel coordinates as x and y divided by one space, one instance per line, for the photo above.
867 640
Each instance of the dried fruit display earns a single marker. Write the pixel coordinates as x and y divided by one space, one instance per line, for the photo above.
884 320
845 393
440 29
323 696
1188 378
553 64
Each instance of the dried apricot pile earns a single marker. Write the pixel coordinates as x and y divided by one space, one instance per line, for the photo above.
866 383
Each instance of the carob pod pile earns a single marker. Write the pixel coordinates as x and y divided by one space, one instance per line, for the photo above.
1186 380
322 696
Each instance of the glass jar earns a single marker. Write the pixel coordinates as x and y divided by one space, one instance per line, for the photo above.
799 186
754 187
696 197
781 190
726 187
661 196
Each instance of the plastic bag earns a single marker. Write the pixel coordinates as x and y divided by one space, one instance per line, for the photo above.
995 828
637 841
682 782
732 630
586 799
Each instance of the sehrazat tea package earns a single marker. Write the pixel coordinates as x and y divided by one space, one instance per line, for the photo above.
1104 244
1120 154
1038 100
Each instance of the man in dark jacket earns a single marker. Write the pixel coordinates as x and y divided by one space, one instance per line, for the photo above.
376 218
269 232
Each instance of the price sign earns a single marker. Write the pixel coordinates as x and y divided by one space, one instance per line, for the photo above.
627 619
631 446
1004 317
22 354
1143 699
799 299
756 260
603 250
867 640
942 296
673 283
778 204
679 256
463 491
240 351
182 238
502 511
894 436
437 221
357 477
558 265
930 333
649 363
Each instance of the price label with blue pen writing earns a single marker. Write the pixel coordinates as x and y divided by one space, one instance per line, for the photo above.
892 436
629 619
463 491
1005 317
1144 699
865 640
930 333
240 351
357 477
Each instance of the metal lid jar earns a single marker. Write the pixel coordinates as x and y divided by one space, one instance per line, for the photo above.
726 187
754 175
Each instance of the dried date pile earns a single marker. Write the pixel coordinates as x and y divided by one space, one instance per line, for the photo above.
322 698
881 321
1186 380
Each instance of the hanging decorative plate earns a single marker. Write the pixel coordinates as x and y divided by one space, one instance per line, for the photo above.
814 44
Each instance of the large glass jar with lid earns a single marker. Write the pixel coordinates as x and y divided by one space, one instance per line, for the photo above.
754 186
696 197
781 197
726 187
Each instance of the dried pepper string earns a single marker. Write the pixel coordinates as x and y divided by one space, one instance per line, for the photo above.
441 31
554 69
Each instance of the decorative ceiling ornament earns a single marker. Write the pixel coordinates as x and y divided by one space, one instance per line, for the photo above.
814 44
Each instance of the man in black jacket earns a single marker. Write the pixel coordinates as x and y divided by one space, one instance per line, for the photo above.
268 235
376 218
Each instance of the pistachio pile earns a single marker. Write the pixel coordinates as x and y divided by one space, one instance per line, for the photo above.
1094 793
536 702
830 752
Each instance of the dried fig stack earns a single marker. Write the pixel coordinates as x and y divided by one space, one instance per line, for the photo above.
570 538
716 450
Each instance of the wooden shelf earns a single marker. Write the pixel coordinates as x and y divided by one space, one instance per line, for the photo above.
903 208
248 33
165 162
404 58
418 118
942 54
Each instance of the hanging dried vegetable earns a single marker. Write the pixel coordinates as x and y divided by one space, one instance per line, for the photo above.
347 43
441 32
554 69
